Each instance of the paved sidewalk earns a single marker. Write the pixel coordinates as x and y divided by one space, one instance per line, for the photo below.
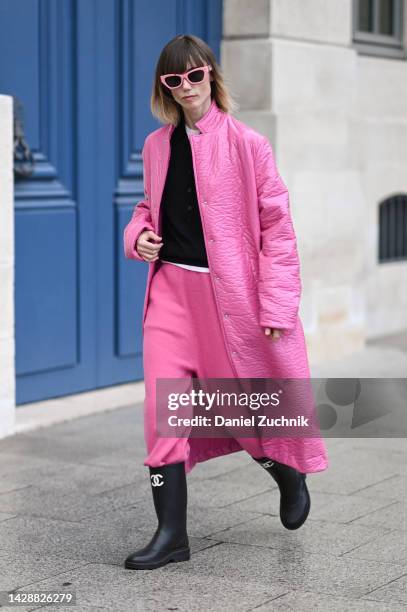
75 499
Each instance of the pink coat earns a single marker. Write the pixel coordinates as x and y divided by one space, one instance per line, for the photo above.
251 249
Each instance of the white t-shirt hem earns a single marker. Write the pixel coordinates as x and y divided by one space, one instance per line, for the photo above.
187 266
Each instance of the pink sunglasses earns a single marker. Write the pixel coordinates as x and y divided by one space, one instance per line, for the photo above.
194 75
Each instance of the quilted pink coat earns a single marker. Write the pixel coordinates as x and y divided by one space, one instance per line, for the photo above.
251 249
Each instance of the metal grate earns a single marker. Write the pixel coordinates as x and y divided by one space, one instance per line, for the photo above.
393 229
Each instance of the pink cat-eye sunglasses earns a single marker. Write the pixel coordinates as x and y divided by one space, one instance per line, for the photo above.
194 76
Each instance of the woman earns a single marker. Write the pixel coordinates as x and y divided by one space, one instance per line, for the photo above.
223 287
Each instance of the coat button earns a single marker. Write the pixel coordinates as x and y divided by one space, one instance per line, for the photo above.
189 207
217 277
234 353
211 240
226 315
189 189
204 202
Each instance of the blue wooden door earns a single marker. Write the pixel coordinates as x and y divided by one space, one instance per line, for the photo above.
82 70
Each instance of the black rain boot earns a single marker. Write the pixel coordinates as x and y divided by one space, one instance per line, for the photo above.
170 540
295 500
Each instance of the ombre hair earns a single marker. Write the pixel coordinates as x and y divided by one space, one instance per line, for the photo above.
174 57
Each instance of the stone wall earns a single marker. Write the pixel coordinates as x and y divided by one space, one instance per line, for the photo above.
337 121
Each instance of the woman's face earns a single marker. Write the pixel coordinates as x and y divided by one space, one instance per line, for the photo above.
199 92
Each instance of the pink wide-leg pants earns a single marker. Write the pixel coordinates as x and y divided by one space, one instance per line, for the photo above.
183 339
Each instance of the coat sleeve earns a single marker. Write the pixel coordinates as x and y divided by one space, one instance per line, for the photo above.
279 267
141 217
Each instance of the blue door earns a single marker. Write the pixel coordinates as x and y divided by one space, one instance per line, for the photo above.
82 71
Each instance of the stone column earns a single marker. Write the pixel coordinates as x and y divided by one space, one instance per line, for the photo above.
292 69
7 344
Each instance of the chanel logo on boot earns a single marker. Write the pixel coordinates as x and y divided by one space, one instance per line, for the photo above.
267 464
156 480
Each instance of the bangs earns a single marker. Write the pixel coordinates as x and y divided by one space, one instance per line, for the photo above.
181 56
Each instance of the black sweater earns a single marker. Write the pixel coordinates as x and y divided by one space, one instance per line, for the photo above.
181 229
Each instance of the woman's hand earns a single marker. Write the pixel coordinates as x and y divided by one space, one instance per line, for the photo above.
274 333
146 245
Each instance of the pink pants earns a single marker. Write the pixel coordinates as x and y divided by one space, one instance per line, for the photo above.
183 339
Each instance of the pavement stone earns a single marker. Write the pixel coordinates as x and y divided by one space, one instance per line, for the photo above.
114 589
389 548
75 500
294 567
318 602
314 537
202 521
71 506
394 488
27 568
393 515
395 591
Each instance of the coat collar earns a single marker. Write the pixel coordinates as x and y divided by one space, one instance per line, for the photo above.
210 121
